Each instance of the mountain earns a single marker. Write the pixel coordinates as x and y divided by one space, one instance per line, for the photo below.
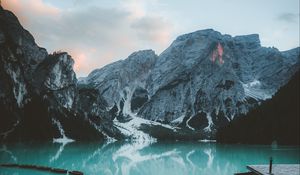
123 79
274 121
39 96
199 84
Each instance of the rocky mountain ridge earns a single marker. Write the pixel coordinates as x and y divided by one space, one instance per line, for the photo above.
200 83
39 96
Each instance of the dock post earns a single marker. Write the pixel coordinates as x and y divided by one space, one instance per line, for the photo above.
270 167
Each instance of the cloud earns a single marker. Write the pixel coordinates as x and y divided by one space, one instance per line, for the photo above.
288 17
153 29
94 35
28 9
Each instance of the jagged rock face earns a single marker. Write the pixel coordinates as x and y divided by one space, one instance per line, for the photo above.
13 86
19 54
21 42
56 75
139 98
39 97
91 105
59 71
219 75
117 82
202 81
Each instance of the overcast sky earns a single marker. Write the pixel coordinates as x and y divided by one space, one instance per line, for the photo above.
98 32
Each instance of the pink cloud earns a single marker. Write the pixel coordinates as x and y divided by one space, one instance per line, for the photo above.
16 7
93 35
25 8
89 59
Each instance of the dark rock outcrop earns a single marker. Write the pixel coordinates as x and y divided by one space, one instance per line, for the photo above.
277 120
39 96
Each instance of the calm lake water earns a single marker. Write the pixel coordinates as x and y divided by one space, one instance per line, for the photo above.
182 158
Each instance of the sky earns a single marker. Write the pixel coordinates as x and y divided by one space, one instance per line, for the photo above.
99 32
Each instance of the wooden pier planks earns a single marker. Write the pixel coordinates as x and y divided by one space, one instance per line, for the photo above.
278 169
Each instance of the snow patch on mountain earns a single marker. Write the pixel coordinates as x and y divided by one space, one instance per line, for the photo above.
127 96
178 120
187 123
131 129
210 123
63 139
253 89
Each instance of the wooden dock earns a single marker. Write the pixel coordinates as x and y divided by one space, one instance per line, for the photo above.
277 169
41 168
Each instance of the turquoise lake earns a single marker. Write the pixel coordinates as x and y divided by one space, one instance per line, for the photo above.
135 158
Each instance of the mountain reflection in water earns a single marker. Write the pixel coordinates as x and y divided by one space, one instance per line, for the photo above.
143 157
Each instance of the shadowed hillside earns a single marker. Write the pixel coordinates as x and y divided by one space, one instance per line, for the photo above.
276 119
